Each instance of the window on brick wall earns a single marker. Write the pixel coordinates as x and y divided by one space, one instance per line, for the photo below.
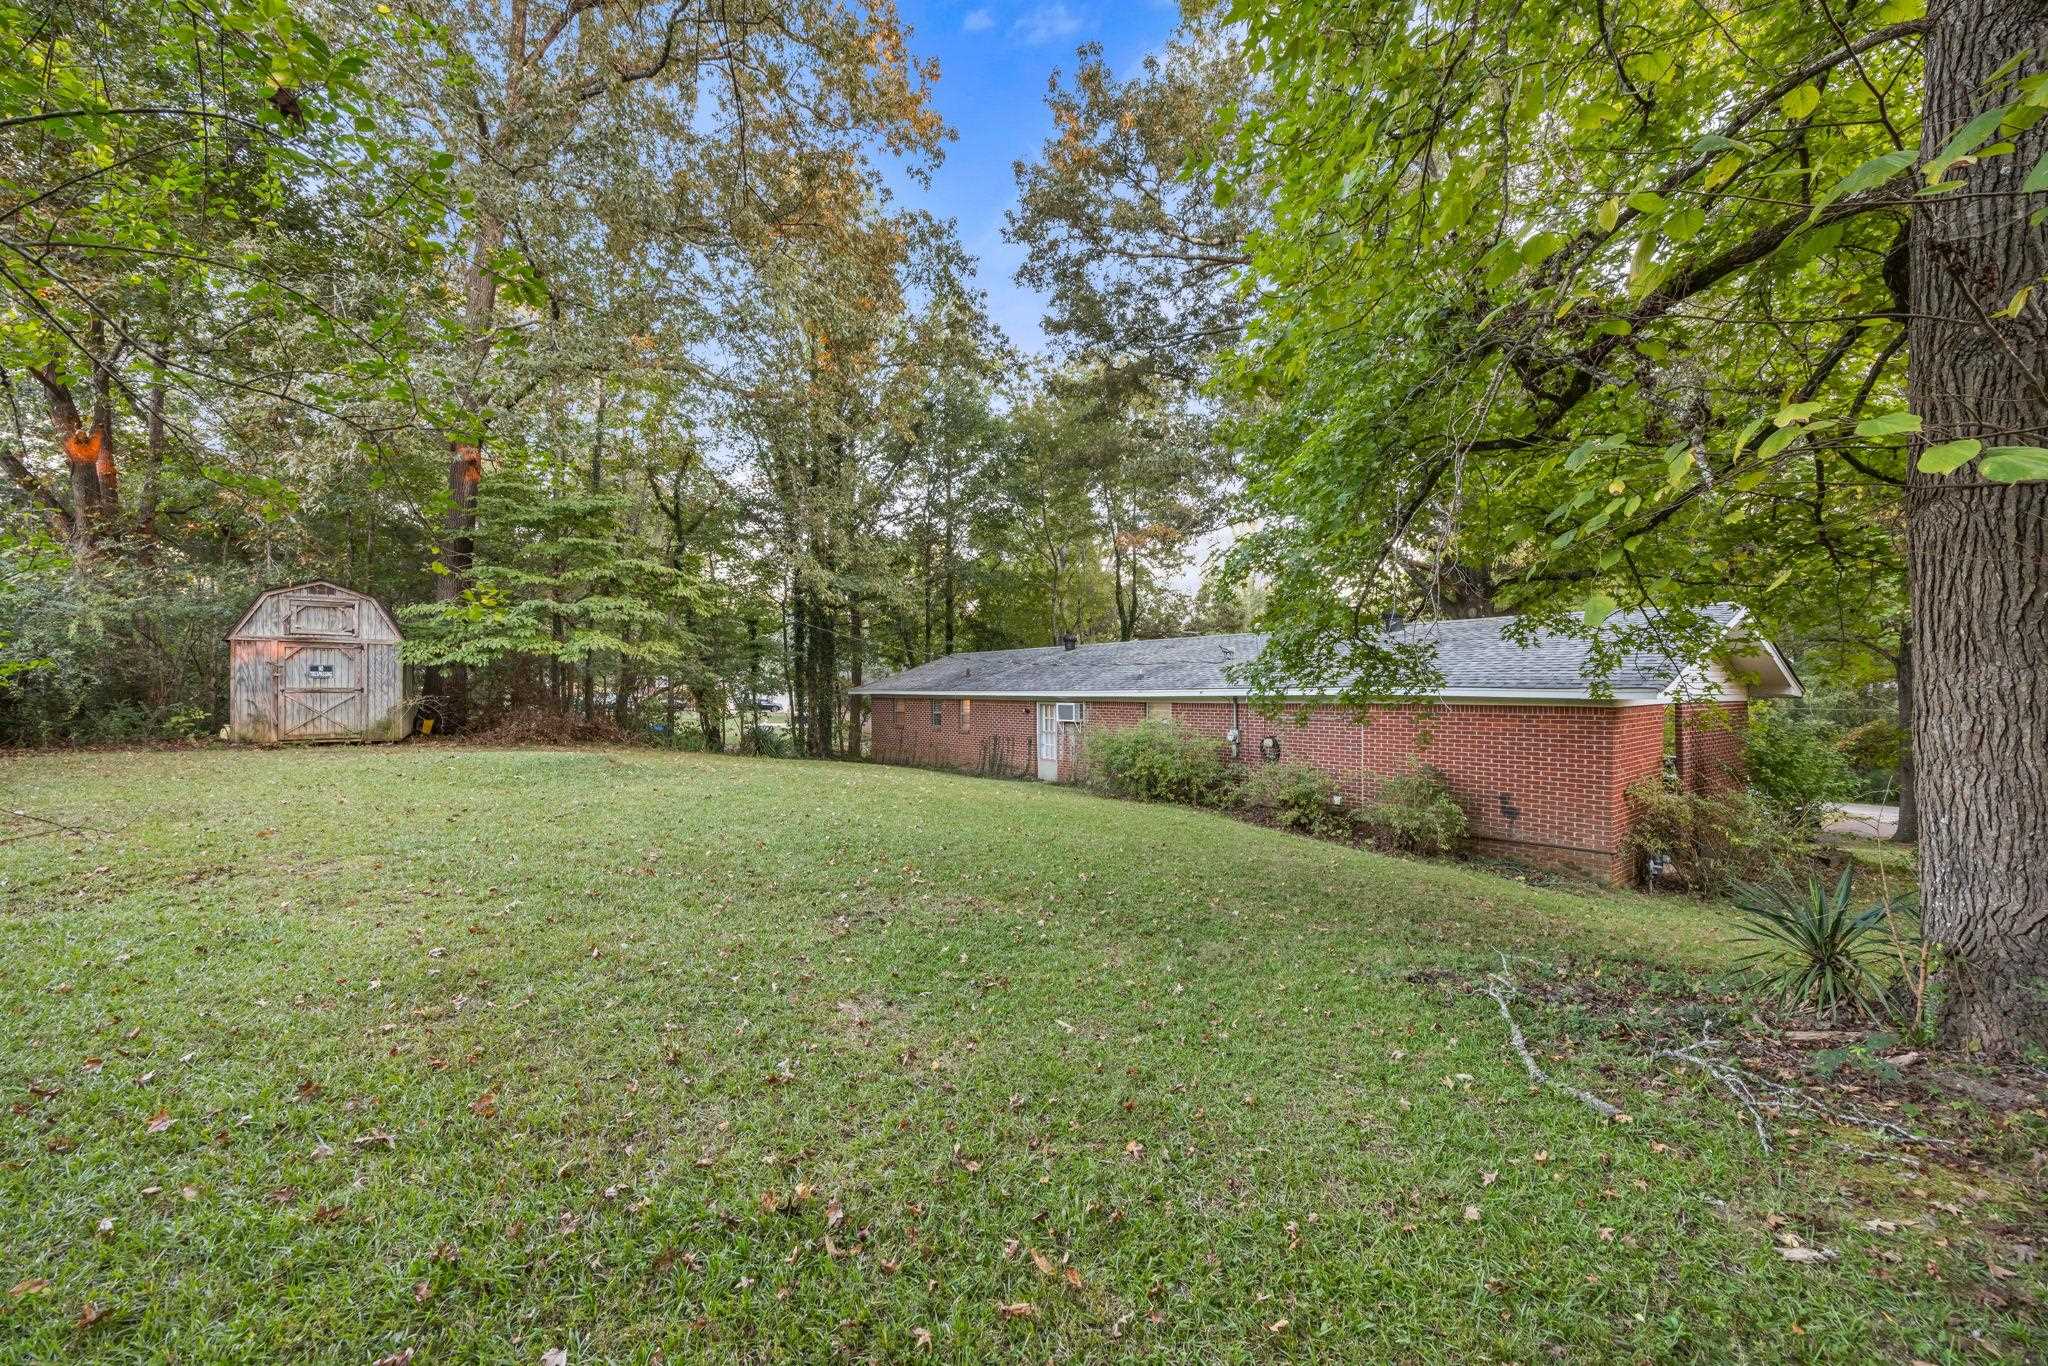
1159 711
938 714
966 713
899 709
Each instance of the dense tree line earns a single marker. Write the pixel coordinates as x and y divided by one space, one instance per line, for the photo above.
585 334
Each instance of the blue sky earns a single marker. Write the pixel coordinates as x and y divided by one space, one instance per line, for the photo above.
994 57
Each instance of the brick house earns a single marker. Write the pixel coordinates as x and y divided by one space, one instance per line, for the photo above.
1540 764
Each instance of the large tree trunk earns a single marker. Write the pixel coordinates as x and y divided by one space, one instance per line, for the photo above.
465 471
1908 831
81 456
1979 550
856 642
824 677
153 463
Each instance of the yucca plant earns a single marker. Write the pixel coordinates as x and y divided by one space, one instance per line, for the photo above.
1814 948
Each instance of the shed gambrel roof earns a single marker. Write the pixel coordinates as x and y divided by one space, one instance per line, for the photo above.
389 634
1476 658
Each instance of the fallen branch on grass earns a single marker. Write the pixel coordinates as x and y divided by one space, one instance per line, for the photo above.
1731 1077
1756 1093
1500 986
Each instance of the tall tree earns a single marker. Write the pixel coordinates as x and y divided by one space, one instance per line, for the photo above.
201 213
1139 257
686 129
1978 373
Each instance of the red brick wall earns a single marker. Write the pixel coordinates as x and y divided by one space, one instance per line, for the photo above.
999 737
1543 783
1710 746
1638 757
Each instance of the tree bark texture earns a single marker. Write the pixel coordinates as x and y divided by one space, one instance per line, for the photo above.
1978 550
1908 827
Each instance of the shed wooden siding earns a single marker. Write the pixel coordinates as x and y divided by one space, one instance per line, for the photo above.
315 662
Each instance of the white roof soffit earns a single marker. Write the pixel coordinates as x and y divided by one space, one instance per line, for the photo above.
1748 661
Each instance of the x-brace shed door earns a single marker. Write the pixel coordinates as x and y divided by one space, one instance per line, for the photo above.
320 692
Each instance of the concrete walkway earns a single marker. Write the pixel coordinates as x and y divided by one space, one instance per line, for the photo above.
1868 819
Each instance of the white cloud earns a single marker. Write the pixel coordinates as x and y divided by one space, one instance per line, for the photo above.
1046 23
977 21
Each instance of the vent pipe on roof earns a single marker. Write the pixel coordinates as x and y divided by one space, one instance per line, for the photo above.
1068 642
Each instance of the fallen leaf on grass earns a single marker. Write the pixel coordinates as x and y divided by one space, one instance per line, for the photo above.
923 1336
485 1106
1277 1326
1471 1214
1806 1254
34 1285
555 1356
160 1121
92 1313
1022 1309
375 1139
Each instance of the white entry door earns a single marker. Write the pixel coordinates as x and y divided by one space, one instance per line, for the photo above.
1048 743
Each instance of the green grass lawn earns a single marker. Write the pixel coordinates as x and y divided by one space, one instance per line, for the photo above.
332 1054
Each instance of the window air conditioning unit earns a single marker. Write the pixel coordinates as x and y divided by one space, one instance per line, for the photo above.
1066 711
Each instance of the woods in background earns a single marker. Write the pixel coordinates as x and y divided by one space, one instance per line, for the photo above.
587 335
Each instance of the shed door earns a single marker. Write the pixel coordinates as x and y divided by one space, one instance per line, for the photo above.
1048 743
320 692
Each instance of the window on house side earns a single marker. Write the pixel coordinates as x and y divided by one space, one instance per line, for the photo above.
966 713
1159 711
938 714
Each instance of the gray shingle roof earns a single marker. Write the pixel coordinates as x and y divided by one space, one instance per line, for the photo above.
1473 656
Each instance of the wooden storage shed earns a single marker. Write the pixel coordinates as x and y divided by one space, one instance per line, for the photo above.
315 662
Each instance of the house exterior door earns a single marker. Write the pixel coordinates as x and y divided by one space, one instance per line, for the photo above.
320 692
1048 743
